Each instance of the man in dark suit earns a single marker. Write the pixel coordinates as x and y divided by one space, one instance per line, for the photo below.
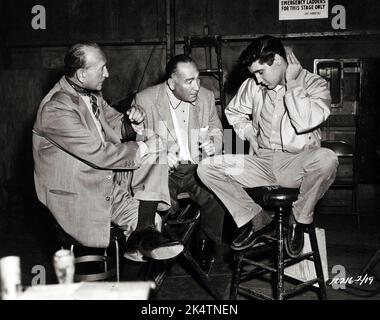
85 175
184 115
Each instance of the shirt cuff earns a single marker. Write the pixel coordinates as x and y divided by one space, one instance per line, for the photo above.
143 149
139 128
249 132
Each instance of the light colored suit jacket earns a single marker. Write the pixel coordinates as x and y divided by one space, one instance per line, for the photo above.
74 169
203 113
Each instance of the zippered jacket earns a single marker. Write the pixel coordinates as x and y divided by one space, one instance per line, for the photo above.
307 103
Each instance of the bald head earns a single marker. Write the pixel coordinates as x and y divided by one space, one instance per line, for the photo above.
75 57
85 63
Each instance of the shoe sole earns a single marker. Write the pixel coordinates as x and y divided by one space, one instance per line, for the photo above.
249 245
136 256
164 253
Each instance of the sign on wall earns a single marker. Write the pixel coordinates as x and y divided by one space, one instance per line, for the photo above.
303 9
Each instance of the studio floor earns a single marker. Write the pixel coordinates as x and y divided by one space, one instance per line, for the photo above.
349 247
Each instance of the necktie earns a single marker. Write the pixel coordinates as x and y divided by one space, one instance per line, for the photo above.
90 94
94 105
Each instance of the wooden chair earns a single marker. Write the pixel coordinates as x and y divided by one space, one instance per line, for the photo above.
182 228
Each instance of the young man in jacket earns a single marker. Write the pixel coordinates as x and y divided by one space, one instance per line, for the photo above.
278 112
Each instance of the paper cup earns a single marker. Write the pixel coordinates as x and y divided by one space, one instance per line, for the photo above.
10 277
64 266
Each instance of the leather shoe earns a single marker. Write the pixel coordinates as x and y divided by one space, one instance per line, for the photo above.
204 254
152 244
251 231
294 238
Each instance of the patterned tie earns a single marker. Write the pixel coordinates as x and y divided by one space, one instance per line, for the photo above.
94 105
90 94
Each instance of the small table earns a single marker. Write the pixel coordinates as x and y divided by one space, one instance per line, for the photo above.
131 290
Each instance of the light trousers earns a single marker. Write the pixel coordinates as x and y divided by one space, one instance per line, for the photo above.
312 171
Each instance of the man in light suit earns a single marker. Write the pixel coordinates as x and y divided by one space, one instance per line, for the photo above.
184 115
85 175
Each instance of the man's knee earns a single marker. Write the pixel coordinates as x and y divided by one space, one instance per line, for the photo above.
327 161
202 170
174 207
209 165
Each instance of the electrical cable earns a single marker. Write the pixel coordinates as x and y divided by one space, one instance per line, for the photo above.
146 67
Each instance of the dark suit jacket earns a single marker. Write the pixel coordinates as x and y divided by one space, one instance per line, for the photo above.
74 169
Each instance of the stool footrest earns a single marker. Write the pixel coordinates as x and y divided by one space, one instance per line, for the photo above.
300 287
181 221
291 261
248 275
260 265
254 294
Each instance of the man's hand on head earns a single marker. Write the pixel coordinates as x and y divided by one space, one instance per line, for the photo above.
294 67
136 114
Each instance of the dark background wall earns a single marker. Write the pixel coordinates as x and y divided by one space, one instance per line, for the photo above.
140 26
133 34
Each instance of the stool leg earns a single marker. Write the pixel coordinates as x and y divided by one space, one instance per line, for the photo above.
105 260
280 254
317 262
117 261
235 280
371 263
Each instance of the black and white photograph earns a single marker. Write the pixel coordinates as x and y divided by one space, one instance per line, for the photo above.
190 155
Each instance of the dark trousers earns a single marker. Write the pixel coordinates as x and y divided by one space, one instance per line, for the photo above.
185 179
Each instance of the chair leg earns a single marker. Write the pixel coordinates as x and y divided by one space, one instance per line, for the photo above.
161 276
235 280
201 274
317 261
280 255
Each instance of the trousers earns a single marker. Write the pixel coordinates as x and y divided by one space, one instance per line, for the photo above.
149 183
312 171
184 179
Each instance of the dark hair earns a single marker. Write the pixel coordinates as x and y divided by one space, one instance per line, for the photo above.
75 57
263 49
171 66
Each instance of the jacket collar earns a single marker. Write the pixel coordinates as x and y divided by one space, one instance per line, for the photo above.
82 107
162 103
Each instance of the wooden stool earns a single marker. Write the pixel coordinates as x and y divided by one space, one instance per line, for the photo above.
280 201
